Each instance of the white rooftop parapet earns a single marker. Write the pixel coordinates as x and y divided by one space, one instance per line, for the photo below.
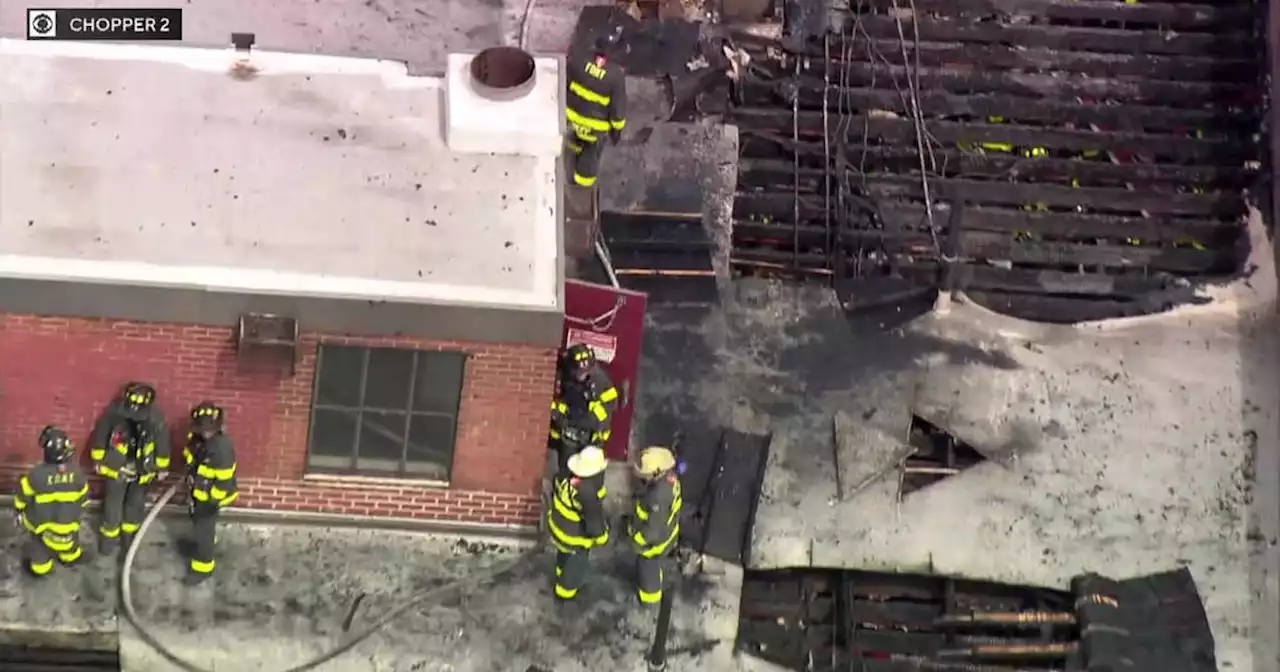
503 101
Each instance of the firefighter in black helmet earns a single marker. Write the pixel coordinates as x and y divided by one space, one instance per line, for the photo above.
130 449
211 477
597 104
50 499
582 410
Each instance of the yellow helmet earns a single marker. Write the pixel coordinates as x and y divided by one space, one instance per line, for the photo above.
655 461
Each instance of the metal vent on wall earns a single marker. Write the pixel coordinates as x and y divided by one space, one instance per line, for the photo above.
266 332
1083 159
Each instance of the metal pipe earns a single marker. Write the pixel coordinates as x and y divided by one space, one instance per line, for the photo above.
1010 618
658 652
603 255
1050 649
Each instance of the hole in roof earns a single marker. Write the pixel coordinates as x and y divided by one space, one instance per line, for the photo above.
938 455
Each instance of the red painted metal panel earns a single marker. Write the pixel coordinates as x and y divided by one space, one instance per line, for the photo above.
611 321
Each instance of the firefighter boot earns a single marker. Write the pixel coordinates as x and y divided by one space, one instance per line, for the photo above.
107 546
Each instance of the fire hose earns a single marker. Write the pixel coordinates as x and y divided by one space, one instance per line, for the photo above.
350 643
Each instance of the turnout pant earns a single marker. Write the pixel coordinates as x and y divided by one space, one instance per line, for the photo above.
204 536
124 505
42 549
586 161
571 572
649 578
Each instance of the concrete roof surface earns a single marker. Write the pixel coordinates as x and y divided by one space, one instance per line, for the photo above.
324 176
419 32
282 593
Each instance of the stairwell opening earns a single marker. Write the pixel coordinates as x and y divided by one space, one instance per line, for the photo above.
938 456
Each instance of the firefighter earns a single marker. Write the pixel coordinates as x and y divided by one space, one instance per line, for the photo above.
574 427
576 519
597 105
655 526
211 477
130 449
582 410
49 501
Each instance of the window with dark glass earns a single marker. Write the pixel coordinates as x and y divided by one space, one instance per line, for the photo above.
385 412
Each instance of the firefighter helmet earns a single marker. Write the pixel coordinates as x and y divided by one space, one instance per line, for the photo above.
57 446
138 396
606 42
207 417
578 357
655 461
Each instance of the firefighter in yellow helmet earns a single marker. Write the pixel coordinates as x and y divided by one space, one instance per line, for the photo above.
576 518
50 500
211 477
655 525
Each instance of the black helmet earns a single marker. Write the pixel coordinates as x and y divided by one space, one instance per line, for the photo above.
577 358
207 417
138 396
606 42
57 445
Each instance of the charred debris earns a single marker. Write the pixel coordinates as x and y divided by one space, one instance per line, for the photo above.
1059 160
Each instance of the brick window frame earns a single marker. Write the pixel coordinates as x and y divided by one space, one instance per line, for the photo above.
385 412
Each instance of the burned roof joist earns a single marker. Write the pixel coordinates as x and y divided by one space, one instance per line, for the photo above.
993 57
1237 44
860 128
1176 94
1055 156
1183 16
1052 225
1229 206
941 103
755 243
769 160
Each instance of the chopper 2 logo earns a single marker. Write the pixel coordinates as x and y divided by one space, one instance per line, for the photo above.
123 25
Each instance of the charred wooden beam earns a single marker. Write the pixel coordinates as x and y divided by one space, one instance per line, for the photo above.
986 245
1180 16
760 168
782 259
1238 43
1057 110
777 174
1048 224
897 130
1178 94
894 614
1094 199
1185 68
1072 226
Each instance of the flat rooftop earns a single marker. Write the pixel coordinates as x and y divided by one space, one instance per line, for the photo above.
318 176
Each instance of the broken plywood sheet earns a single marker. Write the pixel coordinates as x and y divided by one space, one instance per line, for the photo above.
866 450
1000 411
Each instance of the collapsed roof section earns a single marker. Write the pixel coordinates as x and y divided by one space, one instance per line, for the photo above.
1058 161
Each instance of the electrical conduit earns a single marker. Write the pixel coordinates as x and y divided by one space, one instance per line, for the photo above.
350 643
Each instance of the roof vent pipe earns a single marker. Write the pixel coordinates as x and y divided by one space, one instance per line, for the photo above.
503 73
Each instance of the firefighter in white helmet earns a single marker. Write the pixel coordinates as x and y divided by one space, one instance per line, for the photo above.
576 518
655 525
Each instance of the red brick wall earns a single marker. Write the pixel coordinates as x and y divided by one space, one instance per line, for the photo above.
64 370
